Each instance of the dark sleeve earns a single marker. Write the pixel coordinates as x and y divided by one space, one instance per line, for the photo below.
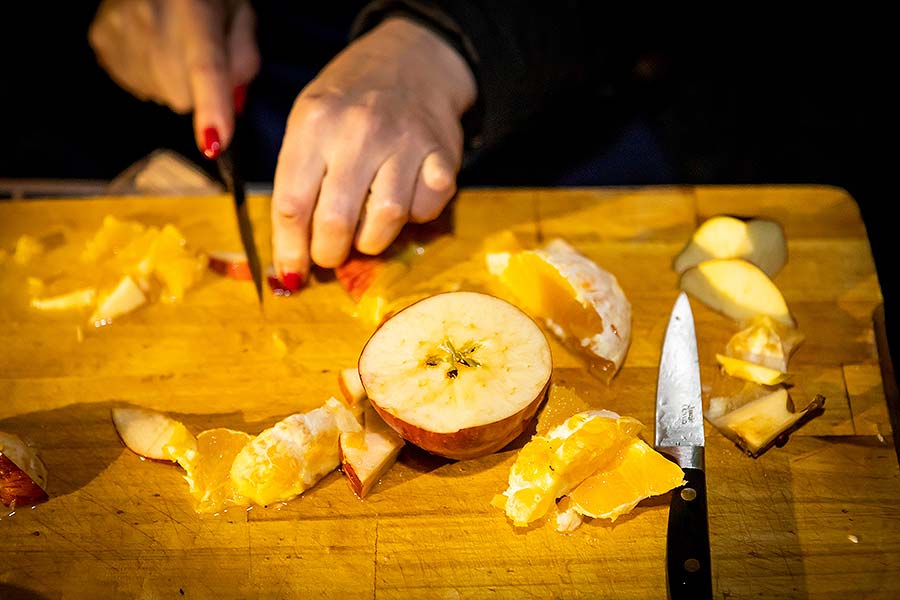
521 54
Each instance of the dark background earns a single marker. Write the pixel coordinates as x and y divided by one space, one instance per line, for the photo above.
772 102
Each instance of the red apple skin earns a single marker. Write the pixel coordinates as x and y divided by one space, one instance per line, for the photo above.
357 274
230 265
471 442
16 487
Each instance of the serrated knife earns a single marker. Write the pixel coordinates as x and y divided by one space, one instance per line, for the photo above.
679 435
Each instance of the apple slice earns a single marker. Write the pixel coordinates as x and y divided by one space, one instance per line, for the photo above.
759 241
27 248
756 424
352 391
459 374
358 273
366 455
765 342
23 476
126 297
750 371
76 299
152 434
580 302
736 288
233 265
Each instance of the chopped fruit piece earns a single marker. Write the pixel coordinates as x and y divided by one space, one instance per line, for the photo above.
125 298
750 371
76 299
581 303
567 518
756 424
279 343
287 459
352 390
460 374
129 258
377 301
23 476
358 273
765 342
759 241
366 455
231 264
551 465
636 474
27 248
179 274
562 402
209 471
737 289
152 434
112 236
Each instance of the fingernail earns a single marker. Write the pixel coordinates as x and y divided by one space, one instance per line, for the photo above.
211 144
240 98
292 281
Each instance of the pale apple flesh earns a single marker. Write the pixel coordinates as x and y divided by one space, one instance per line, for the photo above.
23 476
154 435
759 241
126 297
459 374
743 369
366 455
737 289
352 391
765 342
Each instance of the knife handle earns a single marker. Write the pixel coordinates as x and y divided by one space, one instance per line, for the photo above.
687 541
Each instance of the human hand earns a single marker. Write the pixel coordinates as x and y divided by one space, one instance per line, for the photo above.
190 55
373 142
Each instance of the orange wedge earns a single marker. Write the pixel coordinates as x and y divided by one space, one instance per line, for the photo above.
209 470
638 473
550 465
580 302
113 236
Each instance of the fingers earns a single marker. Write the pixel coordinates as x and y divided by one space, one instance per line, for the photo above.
387 208
243 53
435 186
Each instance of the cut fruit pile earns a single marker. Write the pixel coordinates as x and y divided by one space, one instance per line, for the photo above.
581 303
459 374
593 465
135 264
23 476
728 264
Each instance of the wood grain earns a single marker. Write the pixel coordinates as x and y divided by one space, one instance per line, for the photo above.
816 518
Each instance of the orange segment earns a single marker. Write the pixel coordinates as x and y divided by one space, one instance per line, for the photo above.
581 303
550 465
113 236
639 472
208 472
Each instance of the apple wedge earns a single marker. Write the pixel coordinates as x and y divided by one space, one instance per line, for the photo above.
749 371
737 289
76 299
756 424
765 342
759 241
366 455
352 391
459 374
358 273
23 476
126 297
233 265
154 435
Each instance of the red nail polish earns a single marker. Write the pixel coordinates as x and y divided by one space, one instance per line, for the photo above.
240 98
292 281
211 144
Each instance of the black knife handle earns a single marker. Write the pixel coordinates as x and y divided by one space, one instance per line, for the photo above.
687 542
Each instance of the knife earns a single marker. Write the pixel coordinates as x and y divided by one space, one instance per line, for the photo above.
235 186
679 435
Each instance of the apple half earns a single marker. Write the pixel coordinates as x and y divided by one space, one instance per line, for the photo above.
459 374
759 241
366 455
23 476
737 289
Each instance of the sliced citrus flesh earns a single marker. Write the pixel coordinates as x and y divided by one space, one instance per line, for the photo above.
639 472
293 455
580 302
766 342
209 471
550 465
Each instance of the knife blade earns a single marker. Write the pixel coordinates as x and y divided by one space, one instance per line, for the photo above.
236 187
679 435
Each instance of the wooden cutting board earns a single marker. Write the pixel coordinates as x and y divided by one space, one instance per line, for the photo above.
816 518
